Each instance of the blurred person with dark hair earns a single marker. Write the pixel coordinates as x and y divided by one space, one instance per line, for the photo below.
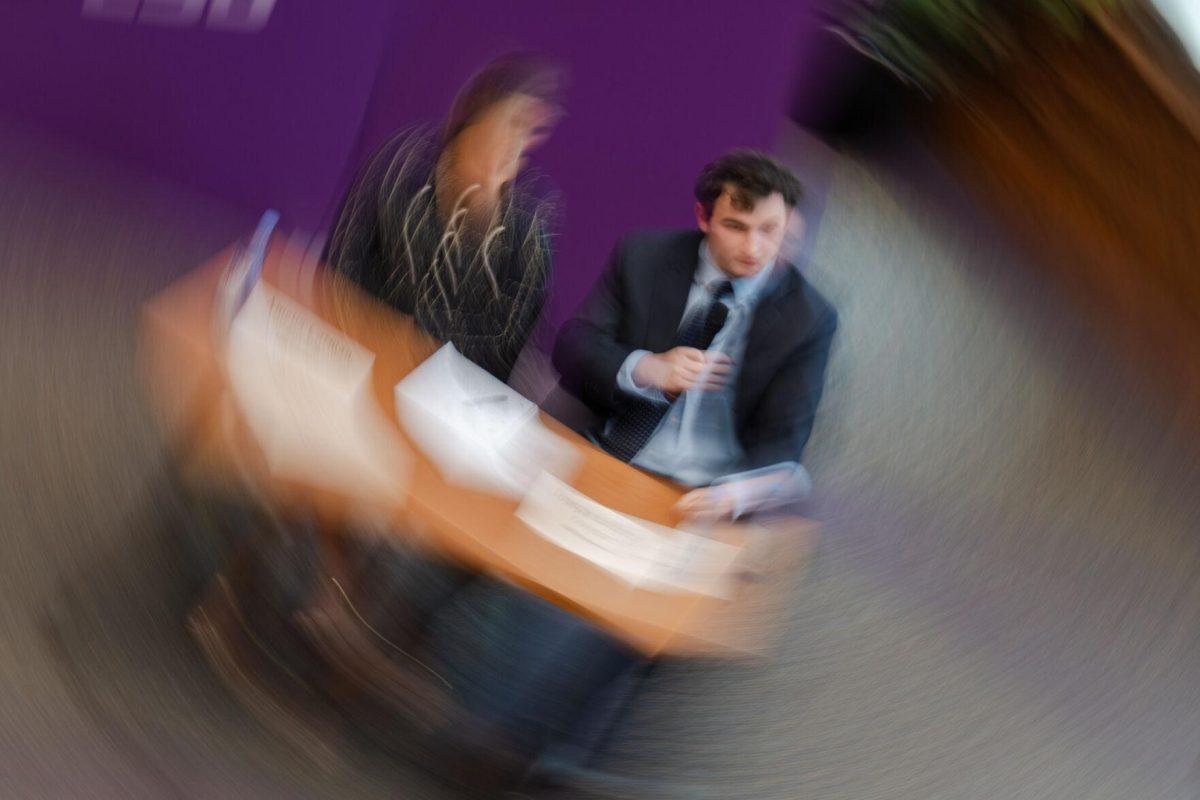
443 228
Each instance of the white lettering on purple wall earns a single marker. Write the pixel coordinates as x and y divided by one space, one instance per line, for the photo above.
238 16
246 16
171 13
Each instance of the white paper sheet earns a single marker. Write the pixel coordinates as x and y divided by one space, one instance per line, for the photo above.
478 431
641 553
689 561
304 389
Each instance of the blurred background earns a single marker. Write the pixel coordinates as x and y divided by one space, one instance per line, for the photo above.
1002 205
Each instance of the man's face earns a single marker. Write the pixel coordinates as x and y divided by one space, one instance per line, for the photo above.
742 242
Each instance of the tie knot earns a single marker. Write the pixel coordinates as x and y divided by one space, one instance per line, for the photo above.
720 289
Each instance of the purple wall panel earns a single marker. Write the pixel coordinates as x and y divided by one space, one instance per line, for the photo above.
261 119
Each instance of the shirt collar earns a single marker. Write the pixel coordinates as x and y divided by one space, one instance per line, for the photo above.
744 289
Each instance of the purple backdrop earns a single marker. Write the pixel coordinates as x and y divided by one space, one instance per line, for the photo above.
260 119
282 116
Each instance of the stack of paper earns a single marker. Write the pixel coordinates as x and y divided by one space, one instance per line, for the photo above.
304 390
478 431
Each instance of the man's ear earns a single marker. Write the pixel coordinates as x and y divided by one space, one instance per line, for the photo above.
702 217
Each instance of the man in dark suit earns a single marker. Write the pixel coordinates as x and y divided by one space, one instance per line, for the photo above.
703 351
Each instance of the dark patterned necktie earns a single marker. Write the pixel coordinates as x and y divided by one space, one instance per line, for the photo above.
631 430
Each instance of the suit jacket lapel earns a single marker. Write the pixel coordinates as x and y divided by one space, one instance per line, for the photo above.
672 282
766 311
766 327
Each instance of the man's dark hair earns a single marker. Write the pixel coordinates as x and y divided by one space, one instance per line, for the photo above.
514 73
750 176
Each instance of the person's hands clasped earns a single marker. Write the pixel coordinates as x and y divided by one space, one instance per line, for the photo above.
682 369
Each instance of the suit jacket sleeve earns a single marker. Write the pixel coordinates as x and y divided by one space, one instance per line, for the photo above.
780 427
589 352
